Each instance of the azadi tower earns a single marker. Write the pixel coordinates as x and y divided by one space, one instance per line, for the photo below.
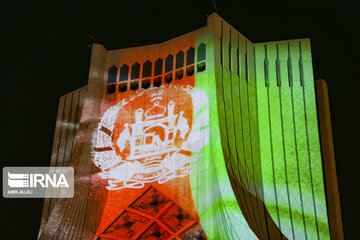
204 136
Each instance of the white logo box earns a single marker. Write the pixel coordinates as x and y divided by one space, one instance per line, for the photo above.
38 182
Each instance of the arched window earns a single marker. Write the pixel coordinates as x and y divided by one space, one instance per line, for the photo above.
169 63
135 71
190 71
190 59
134 85
145 84
124 73
111 88
201 52
146 69
190 56
157 82
201 56
112 74
158 66
122 87
179 59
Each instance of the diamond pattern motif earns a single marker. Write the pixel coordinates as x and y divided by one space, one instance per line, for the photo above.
153 216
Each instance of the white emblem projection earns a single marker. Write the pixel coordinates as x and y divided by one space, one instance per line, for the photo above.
151 157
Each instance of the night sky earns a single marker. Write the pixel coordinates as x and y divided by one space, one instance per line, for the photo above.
45 54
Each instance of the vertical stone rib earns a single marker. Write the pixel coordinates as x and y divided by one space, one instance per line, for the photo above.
69 213
328 160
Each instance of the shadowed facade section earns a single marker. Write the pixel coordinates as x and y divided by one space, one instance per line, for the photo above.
328 157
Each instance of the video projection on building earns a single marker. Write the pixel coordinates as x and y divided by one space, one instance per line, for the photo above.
204 136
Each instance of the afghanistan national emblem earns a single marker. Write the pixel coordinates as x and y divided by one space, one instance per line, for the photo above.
153 136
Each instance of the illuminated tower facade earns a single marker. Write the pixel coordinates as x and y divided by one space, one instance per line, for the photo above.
204 136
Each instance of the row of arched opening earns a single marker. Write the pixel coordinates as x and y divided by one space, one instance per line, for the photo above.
155 74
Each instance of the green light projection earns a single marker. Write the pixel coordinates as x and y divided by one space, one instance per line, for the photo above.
260 175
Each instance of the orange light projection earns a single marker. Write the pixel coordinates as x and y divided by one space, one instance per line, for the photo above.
145 145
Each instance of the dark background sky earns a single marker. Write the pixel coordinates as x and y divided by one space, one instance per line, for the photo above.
45 54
